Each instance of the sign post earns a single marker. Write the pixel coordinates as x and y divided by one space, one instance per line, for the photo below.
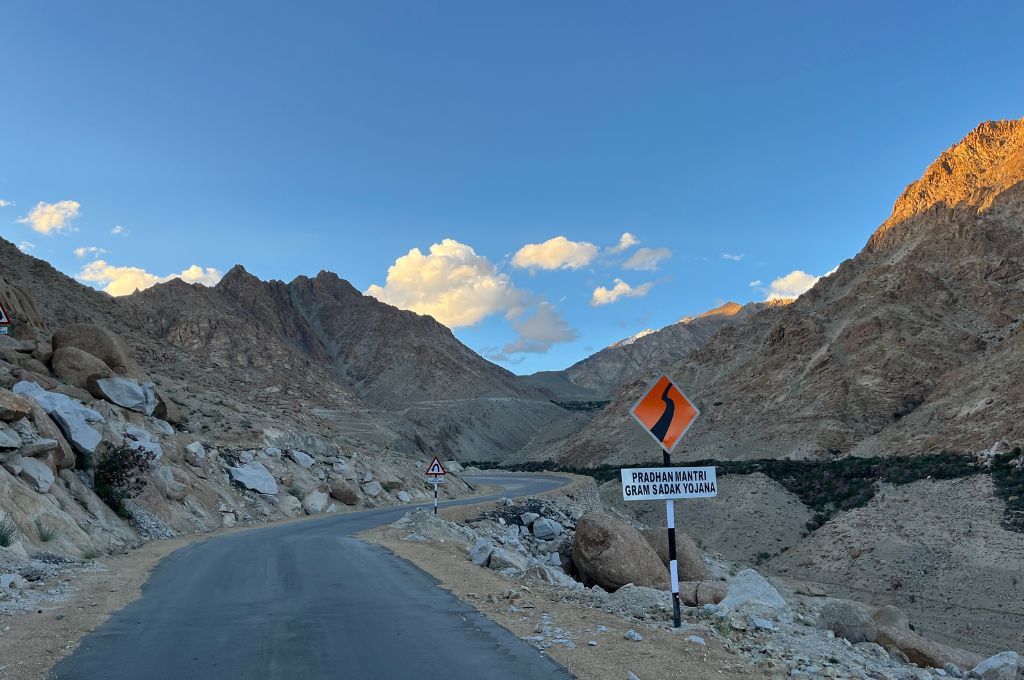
435 471
666 414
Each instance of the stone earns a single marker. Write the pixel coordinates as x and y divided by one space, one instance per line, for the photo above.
633 635
70 415
11 461
888 616
528 518
953 670
752 593
481 552
75 367
632 676
404 497
390 481
12 582
272 451
38 475
166 409
343 491
1002 666
64 457
689 558
246 457
922 651
547 529
195 454
9 439
372 489
289 505
315 502
507 559
254 476
608 552
37 448
43 352
12 406
848 620
165 482
302 458
125 392
696 639
552 575
103 344
140 438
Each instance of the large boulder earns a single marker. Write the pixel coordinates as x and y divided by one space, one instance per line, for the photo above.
610 553
343 491
507 559
255 477
76 366
70 415
1002 666
13 407
125 392
373 489
924 652
172 486
64 455
848 620
689 558
38 475
751 593
103 344
166 409
315 502
700 593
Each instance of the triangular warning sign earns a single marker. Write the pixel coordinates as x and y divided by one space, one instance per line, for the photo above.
5 318
435 468
665 413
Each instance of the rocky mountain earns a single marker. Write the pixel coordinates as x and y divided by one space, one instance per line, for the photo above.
606 370
910 346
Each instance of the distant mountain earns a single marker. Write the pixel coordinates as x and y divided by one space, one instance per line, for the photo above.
913 345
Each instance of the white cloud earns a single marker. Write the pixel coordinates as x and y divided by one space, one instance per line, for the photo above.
5 204
119 231
538 332
126 280
732 256
25 246
647 259
452 284
47 218
556 253
626 241
792 285
604 296
84 251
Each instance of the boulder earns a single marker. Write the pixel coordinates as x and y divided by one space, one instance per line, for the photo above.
481 552
700 593
165 481
848 620
390 481
13 407
343 491
528 518
38 475
139 438
42 352
254 476
888 616
751 593
38 448
924 652
128 393
689 558
1002 666
315 502
302 458
75 366
195 454
507 559
70 415
610 553
64 456
404 497
9 439
546 529
166 409
8 342
103 344
372 489
289 505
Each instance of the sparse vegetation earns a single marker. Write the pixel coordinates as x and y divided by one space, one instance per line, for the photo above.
91 554
47 532
8 532
118 476
582 405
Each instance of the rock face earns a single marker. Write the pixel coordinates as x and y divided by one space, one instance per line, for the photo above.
911 346
610 553
75 366
254 476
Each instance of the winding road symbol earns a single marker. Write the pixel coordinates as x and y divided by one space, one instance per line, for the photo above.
665 412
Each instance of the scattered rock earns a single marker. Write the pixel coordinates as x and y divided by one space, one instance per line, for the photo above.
70 415
343 491
254 476
752 593
125 392
1002 666
505 559
633 635
302 458
315 502
481 552
9 439
547 529
372 489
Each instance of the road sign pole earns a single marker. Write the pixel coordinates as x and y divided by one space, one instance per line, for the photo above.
435 495
673 565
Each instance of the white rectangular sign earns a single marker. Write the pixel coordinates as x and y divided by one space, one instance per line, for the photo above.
664 483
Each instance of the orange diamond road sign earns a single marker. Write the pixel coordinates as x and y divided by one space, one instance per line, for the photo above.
665 412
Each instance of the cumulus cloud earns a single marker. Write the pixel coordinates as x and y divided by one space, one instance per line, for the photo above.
25 246
556 253
539 331
647 259
85 251
451 283
732 256
5 204
626 241
119 231
126 280
49 218
621 289
792 285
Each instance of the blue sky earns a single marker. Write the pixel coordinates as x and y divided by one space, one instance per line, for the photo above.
294 137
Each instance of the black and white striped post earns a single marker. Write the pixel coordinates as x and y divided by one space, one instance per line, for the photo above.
436 482
673 565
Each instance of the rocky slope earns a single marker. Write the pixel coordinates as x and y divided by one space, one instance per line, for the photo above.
909 346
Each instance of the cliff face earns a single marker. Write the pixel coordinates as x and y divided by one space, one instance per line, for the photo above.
907 347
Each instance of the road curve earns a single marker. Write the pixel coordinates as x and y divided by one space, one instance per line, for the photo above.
305 601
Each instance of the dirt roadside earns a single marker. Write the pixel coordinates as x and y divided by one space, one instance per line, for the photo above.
661 654
31 642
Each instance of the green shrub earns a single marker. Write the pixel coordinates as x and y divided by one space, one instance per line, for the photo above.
118 476
47 532
90 554
8 532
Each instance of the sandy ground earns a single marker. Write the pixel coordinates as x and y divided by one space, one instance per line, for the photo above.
661 654
32 642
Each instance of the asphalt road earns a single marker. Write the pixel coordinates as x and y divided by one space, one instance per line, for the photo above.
304 601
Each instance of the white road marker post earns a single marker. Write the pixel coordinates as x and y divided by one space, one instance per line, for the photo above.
436 482
435 471
673 565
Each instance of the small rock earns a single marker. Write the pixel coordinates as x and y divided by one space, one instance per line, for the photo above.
696 639
302 458
480 552
528 518
546 529
633 635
